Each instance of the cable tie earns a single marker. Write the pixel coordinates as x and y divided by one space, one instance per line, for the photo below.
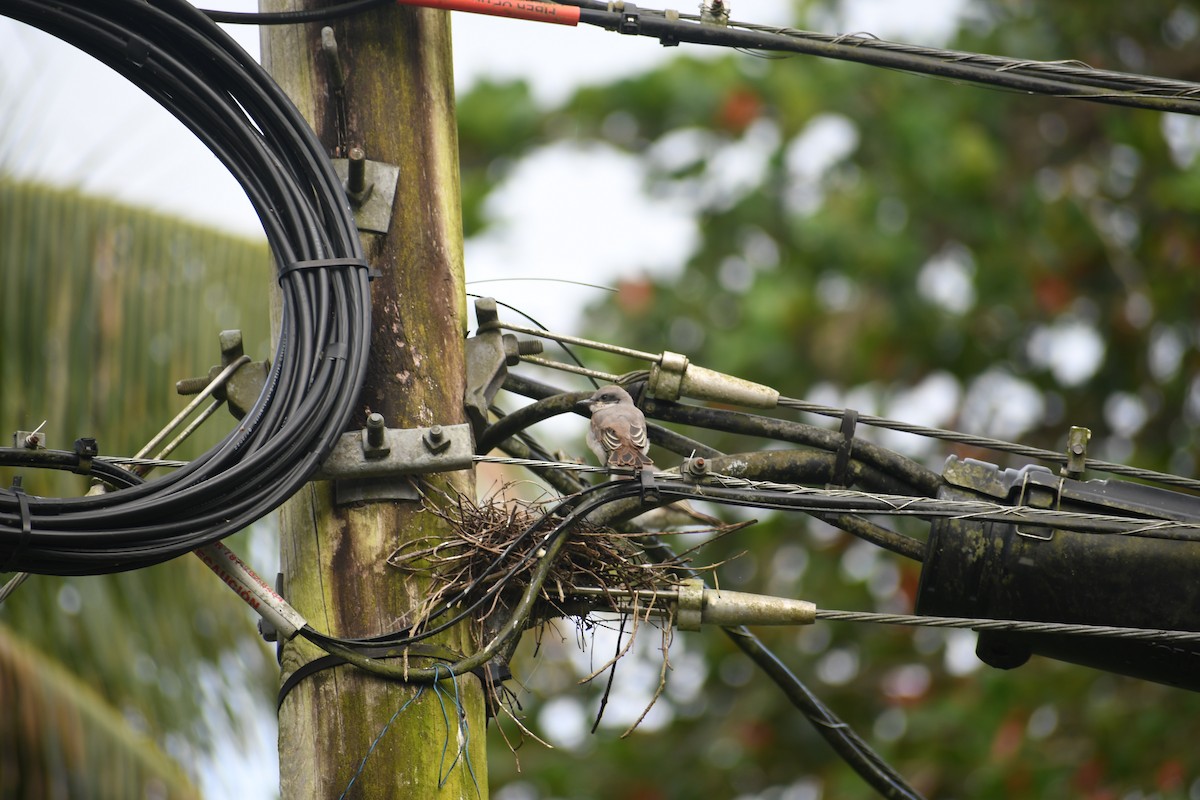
842 462
649 489
26 525
303 671
327 263
86 449
336 350
631 20
329 661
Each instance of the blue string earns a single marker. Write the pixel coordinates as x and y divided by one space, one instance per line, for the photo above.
443 773
464 730
411 700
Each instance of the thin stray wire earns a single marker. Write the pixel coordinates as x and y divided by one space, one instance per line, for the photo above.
1014 625
371 749
993 444
841 500
13 583
852 500
533 462
1063 78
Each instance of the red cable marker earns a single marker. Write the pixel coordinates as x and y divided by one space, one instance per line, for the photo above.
515 9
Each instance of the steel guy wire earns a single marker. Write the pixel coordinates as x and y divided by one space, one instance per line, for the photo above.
1013 625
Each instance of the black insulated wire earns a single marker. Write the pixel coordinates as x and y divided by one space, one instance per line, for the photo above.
185 62
294 17
1055 79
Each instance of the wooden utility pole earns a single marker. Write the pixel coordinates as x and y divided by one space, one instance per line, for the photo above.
397 104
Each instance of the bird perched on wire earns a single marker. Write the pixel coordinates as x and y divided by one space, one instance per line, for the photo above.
618 432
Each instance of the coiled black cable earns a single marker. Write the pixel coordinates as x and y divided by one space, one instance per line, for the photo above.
183 60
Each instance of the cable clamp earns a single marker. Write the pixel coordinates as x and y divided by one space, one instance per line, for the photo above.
371 464
1077 439
714 12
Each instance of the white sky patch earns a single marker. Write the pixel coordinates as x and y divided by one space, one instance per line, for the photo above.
1182 133
638 674
960 655
1071 349
596 224
564 722
731 169
948 279
737 168
1167 349
69 124
679 149
933 402
1125 413
1001 405
934 23
825 140
837 291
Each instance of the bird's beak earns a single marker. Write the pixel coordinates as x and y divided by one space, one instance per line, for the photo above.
584 405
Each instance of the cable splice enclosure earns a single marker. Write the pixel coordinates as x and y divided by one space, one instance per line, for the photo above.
1001 570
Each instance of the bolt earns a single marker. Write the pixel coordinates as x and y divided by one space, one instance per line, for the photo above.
436 439
191 385
231 346
357 180
529 347
337 76
375 429
694 467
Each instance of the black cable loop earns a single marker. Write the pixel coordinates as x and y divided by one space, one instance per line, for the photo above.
182 60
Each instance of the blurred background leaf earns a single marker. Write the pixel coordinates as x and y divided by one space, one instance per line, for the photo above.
940 253
104 307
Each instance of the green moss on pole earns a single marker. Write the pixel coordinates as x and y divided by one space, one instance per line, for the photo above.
399 107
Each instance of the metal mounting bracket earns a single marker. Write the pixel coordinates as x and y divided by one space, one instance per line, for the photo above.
371 187
370 464
402 451
242 388
489 354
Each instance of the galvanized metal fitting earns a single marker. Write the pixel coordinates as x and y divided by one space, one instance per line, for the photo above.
694 468
673 376
698 605
1077 440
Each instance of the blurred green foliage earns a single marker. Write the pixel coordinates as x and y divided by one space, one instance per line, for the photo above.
105 306
1031 258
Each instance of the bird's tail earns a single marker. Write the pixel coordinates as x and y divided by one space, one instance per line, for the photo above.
629 456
